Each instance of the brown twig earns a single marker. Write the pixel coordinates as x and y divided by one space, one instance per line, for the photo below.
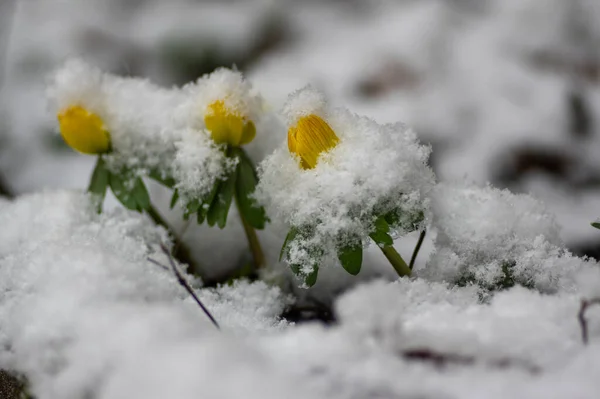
441 360
585 304
182 281
413 258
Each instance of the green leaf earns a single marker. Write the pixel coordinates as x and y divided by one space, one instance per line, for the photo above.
140 193
310 279
217 213
121 192
596 225
163 179
174 199
381 233
200 216
244 187
191 208
99 182
351 258
207 202
288 239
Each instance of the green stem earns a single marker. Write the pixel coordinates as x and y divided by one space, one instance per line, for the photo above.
180 250
413 258
253 242
396 260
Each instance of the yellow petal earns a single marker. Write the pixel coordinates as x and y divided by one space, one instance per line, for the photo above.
309 138
249 133
83 130
227 127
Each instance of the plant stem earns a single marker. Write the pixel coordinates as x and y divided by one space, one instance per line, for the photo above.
396 260
413 258
180 250
253 242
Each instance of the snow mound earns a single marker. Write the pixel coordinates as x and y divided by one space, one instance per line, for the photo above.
80 303
496 239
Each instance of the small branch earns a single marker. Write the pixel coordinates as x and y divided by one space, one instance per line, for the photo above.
180 250
413 258
441 360
585 304
182 281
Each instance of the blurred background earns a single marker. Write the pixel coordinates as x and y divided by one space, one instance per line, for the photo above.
506 91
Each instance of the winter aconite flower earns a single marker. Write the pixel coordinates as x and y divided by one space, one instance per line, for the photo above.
83 130
212 169
310 137
342 182
228 126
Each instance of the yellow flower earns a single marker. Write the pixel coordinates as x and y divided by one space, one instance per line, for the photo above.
227 126
83 130
309 138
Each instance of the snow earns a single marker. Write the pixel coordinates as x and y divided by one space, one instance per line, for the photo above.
83 313
79 299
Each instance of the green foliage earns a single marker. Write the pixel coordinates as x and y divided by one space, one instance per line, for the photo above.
245 185
381 233
133 196
160 177
99 182
298 236
130 191
350 257
310 279
506 280
219 208
291 235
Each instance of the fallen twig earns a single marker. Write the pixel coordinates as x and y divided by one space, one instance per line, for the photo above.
440 360
183 282
585 304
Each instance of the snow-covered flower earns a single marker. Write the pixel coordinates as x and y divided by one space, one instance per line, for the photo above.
343 179
131 117
219 110
127 122
210 168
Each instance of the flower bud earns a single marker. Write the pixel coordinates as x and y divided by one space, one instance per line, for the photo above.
83 130
309 138
227 126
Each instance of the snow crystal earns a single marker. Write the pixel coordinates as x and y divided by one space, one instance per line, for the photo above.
78 83
495 238
199 163
304 102
224 85
374 170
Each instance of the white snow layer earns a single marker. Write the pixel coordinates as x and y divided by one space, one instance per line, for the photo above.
84 314
80 304
494 238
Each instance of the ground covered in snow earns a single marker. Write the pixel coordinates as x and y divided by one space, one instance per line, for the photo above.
83 313
504 91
